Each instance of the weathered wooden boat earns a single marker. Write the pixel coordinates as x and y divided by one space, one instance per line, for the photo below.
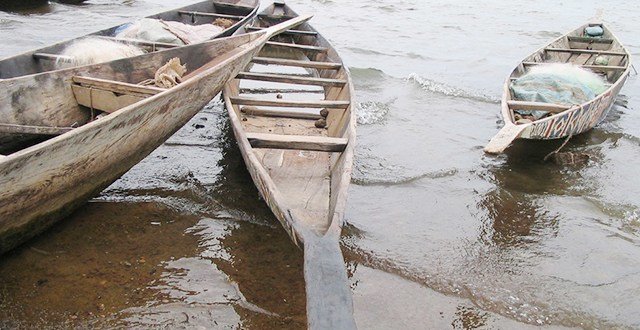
45 59
45 182
300 152
562 121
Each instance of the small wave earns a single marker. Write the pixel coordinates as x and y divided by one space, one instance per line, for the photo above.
444 89
366 73
372 112
404 179
372 170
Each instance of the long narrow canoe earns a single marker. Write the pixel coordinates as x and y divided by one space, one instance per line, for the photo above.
205 12
301 170
43 183
44 60
562 121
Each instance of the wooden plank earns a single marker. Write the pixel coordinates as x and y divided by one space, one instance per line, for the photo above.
103 100
290 104
139 42
253 111
294 32
585 51
541 106
52 57
291 79
296 46
201 14
117 86
589 40
504 138
592 67
297 63
33 130
297 142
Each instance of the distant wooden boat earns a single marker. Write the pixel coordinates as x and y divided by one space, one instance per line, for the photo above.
563 121
43 183
302 171
44 60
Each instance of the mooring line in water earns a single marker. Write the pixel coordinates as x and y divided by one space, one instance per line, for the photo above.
560 148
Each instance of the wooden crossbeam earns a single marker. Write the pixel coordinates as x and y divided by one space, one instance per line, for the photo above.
296 46
590 40
585 51
291 104
286 79
537 106
591 67
254 111
201 14
52 57
297 63
139 42
294 32
297 142
33 130
117 86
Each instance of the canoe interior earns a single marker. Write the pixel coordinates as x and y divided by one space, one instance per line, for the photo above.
52 100
26 63
579 49
45 182
310 184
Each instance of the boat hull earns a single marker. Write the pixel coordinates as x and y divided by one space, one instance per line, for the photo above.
574 121
44 183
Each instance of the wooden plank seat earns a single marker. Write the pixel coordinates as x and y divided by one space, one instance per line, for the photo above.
108 95
201 14
591 67
290 104
33 130
293 32
537 106
255 111
590 40
52 57
584 51
297 142
297 63
287 79
296 46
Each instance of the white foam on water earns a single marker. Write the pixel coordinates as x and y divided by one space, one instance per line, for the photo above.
444 89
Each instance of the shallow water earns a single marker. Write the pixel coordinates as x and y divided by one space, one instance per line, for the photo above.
438 236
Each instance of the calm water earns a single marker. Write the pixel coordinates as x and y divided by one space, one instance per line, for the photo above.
439 235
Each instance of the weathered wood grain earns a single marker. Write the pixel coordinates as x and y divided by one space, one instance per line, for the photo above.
305 189
45 182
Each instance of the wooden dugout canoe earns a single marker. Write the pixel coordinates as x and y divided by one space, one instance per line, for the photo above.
43 183
44 60
563 121
302 172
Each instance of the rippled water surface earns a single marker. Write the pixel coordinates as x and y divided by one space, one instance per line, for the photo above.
438 235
